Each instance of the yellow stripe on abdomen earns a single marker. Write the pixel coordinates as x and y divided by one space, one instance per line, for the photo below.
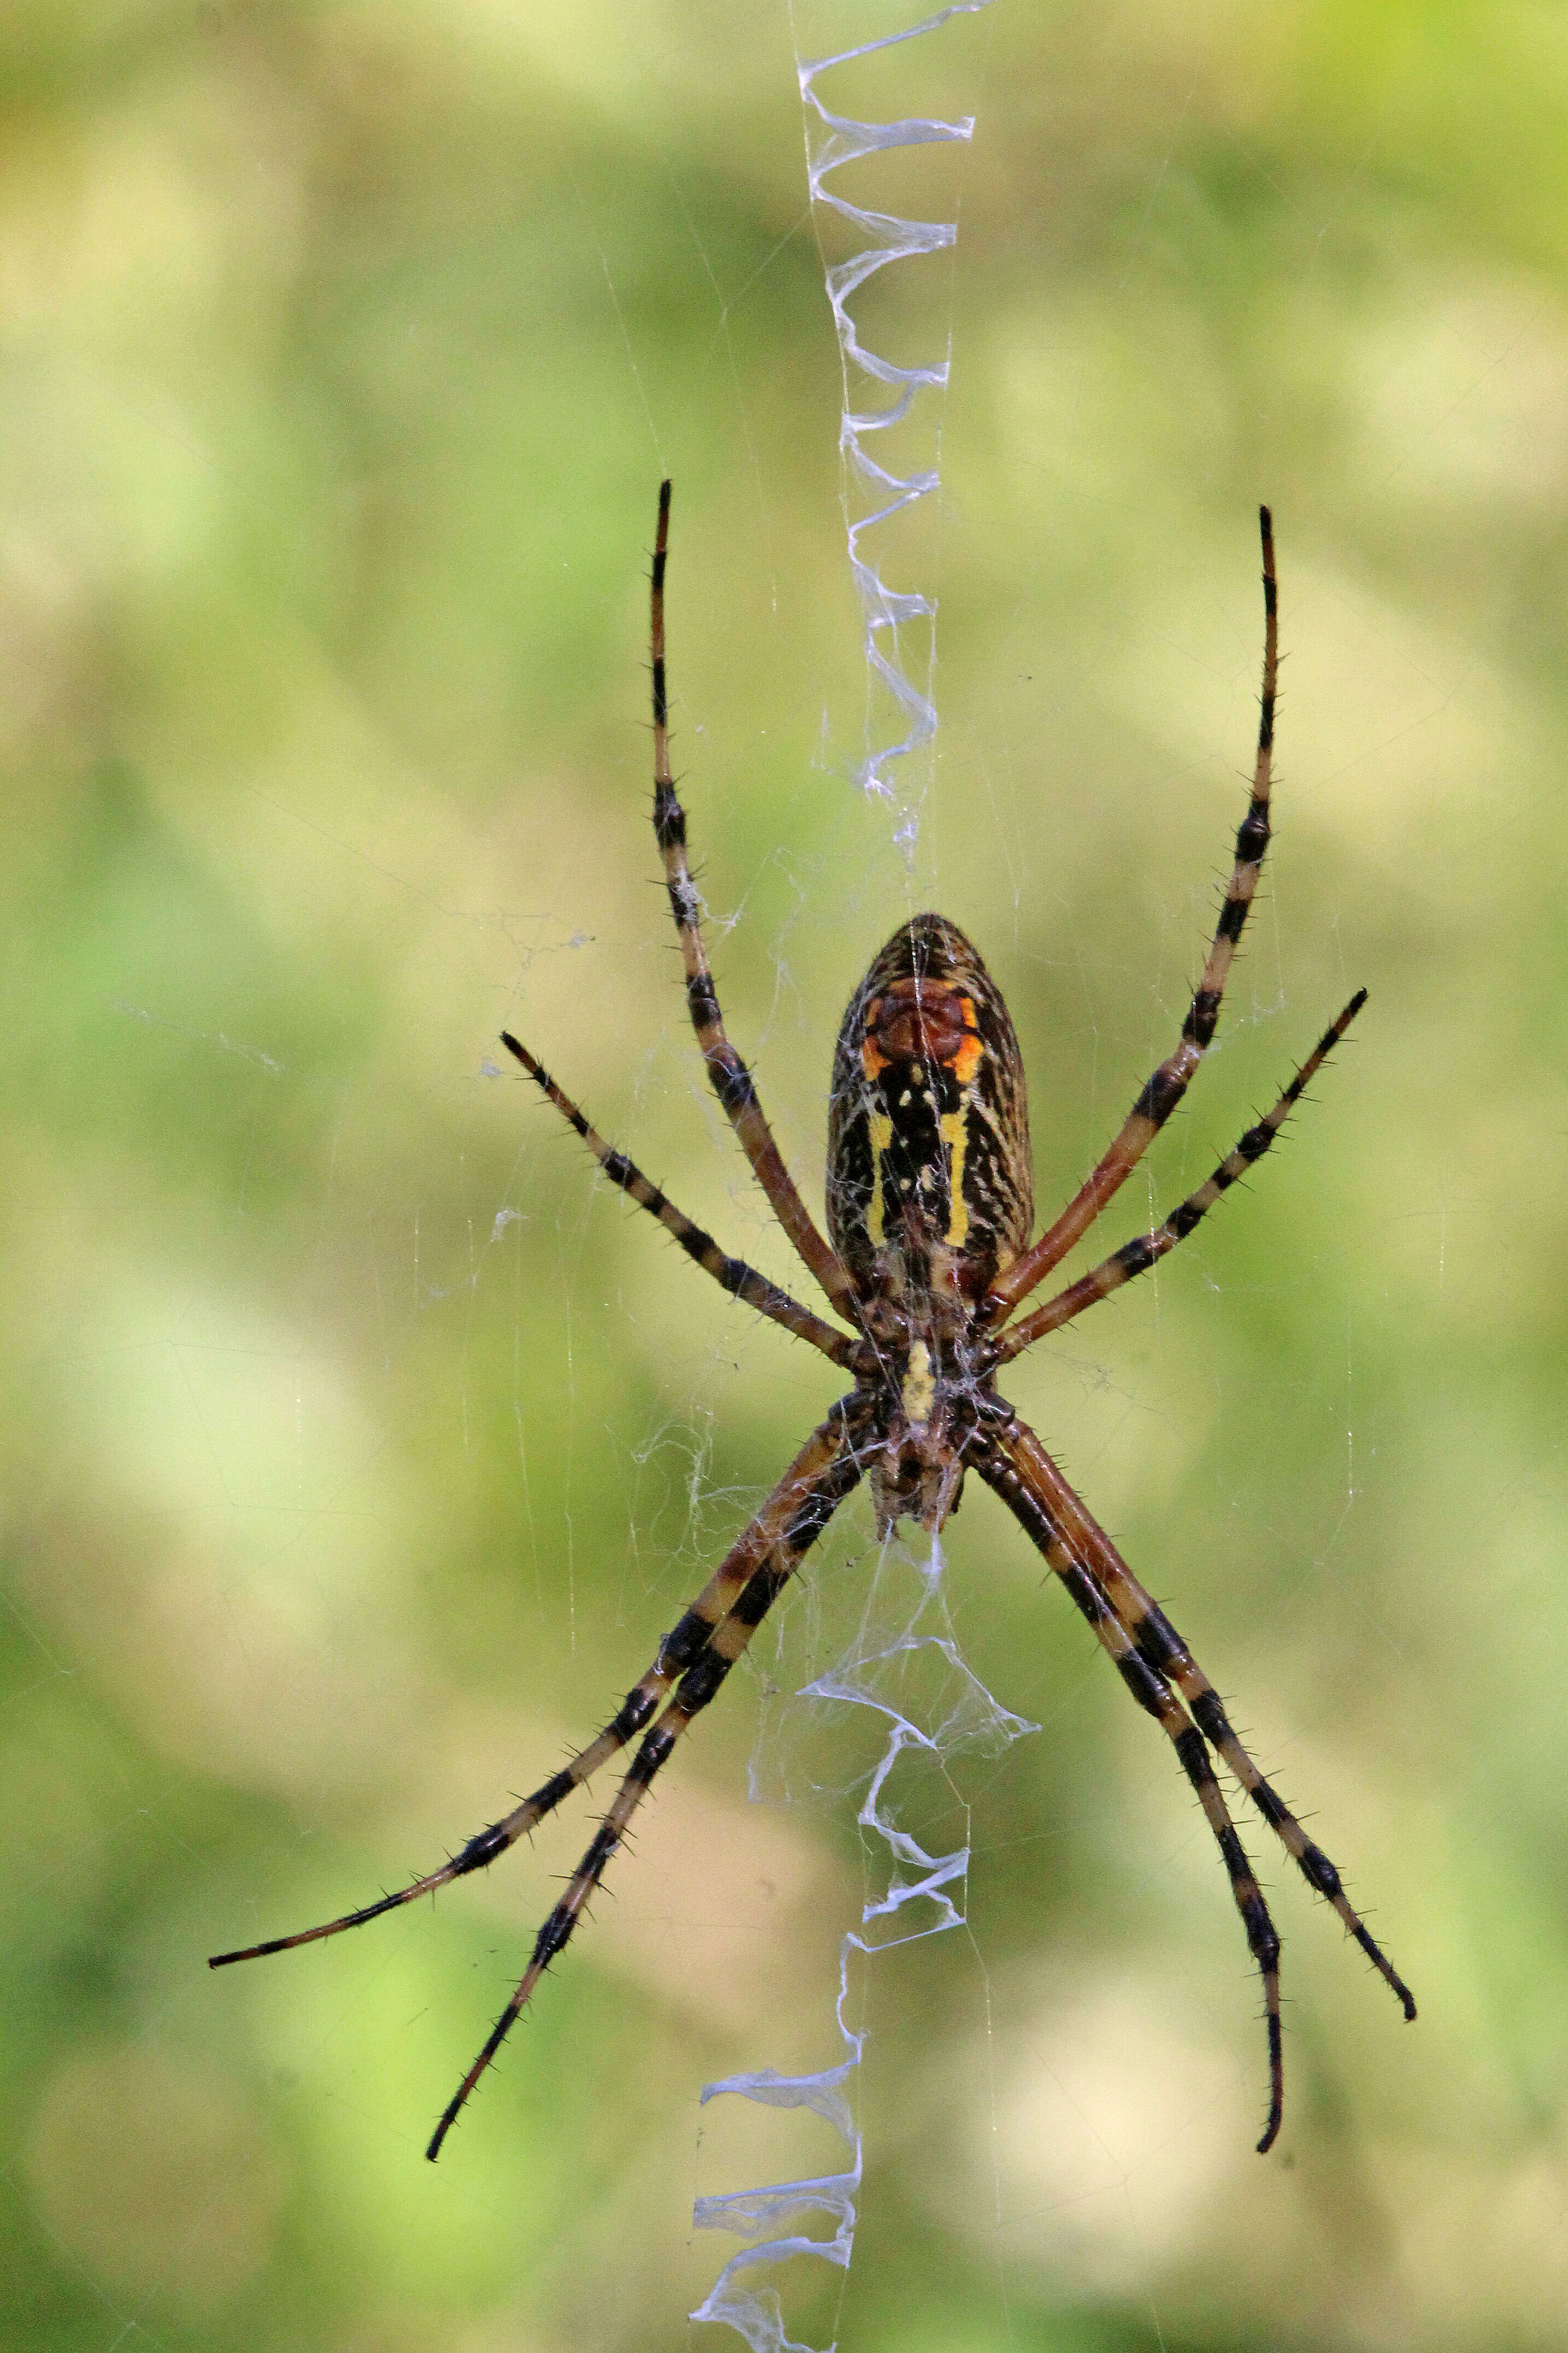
954 1127
881 1137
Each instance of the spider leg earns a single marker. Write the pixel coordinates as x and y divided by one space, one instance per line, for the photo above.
1169 1083
741 1281
733 1082
793 1519
683 1646
1158 1643
640 1704
1134 1258
1153 1692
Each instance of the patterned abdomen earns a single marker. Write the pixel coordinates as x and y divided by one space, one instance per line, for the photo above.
930 1180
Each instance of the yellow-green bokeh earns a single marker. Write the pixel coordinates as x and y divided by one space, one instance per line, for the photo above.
357 1445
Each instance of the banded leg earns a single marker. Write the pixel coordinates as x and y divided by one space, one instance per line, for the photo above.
1158 1643
1136 1258
681 1648
741 1281
1169 1081
641 1703
733 1082
753 1595
1150 1688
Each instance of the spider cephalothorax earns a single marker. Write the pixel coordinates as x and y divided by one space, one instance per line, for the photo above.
927 1254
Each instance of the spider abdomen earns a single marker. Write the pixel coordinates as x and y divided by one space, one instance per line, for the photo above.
929 1181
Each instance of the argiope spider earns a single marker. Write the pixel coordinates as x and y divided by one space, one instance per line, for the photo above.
929 1205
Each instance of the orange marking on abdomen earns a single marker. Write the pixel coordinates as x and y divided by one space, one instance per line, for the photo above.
966 1061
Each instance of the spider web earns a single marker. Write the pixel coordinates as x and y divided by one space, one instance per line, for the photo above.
263 1436
874 494
924 1894
933 1709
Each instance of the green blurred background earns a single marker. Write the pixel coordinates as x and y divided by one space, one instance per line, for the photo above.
358 1444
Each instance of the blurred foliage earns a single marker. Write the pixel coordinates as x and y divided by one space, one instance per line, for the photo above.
358 1446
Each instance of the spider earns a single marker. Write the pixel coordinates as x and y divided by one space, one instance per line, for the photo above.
927 1254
